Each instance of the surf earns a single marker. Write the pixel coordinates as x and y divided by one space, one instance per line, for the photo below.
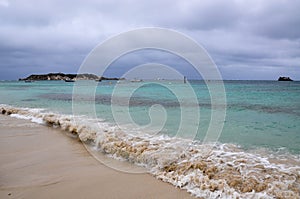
226 171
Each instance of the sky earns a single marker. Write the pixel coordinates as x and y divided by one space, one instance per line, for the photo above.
249 40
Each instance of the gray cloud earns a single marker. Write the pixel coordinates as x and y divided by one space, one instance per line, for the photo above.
247 39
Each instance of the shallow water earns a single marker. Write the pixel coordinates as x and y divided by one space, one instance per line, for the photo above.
258 114
256 155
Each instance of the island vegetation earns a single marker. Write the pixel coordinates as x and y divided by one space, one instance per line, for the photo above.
62 76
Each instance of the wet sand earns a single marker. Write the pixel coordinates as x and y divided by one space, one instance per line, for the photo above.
42 162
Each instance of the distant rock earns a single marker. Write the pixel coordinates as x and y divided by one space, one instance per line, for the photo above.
111 78
62 76
284 79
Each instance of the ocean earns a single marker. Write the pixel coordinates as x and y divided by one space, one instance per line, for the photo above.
256 155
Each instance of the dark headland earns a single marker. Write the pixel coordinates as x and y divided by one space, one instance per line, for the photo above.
284 79
62 76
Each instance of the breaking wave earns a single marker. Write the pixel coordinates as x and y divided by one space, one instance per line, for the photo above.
226 171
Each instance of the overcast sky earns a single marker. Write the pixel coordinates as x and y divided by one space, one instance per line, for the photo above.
246 39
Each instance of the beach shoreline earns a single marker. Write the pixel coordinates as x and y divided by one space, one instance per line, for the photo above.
41 162
228 171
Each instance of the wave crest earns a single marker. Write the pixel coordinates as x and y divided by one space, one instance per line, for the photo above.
226 172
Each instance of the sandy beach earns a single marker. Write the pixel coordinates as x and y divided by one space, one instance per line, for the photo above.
42 162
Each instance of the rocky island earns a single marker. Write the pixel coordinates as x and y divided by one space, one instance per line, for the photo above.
284 79
66 77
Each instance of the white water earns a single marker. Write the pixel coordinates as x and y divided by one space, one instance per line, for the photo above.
204 170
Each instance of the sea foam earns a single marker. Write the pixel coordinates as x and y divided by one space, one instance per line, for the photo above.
204 170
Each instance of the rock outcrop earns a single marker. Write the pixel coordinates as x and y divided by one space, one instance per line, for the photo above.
284 79
62 76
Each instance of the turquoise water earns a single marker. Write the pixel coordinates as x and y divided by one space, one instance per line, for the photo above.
259 113
256 156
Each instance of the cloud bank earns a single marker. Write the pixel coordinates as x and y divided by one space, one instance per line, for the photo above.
247 39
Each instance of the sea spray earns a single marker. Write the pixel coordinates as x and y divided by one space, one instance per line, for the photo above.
226 172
